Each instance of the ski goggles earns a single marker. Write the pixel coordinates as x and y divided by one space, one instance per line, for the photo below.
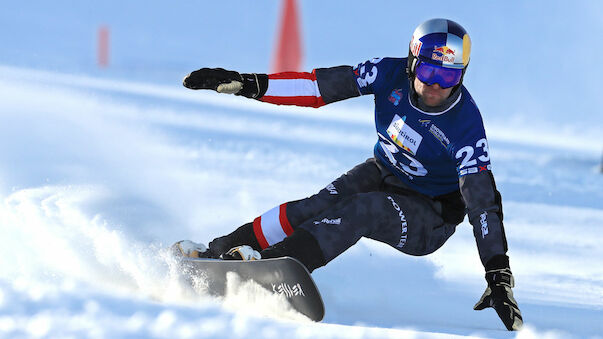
432 74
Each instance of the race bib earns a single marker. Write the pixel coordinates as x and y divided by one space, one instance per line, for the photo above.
403 135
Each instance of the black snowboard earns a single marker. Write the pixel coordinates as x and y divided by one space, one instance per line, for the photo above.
285 276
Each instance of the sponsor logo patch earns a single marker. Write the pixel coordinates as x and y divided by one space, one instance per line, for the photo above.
472 170
403 135
436 132
484 222
395 97
404 234
329 221
332 190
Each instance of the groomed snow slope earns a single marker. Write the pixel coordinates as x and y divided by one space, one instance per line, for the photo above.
98 176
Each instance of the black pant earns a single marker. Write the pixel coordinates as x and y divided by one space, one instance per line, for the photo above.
368 201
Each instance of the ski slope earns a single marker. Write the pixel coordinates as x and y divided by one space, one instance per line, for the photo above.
99 176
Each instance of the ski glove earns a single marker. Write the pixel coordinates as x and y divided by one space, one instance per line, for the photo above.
223 81
499 296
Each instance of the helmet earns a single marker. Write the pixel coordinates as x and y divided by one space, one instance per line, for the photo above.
440 42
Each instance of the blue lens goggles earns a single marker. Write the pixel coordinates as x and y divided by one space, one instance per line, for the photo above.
432 74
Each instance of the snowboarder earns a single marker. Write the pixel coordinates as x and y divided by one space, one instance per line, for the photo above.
431 165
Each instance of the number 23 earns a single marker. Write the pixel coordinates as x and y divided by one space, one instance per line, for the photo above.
467 153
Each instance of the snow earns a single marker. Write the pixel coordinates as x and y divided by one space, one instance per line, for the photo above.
102 170
108 176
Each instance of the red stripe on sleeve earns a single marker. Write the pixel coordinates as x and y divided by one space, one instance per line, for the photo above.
282 216
293 75
259 235
306 101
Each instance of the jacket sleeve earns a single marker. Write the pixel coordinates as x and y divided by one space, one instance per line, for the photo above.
484 208
322 86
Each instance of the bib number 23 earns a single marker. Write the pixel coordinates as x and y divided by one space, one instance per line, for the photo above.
407 164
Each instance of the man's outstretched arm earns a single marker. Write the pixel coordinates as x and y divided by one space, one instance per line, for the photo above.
320 87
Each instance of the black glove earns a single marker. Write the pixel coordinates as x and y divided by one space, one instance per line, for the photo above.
223 81
499 296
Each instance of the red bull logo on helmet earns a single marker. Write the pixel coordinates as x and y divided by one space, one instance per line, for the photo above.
444 50
443 53
415 46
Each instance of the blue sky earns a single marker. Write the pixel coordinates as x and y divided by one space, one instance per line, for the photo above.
530 60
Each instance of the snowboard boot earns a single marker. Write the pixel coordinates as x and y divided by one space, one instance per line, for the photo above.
243 252
243 235
300 245
189 249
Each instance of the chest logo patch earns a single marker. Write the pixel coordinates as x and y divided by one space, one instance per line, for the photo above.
436 132
403 135
395 97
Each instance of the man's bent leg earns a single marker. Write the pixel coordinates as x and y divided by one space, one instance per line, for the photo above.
363 178
280 222
419 228
319 240
410 224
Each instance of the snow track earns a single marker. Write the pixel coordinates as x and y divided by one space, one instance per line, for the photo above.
97 176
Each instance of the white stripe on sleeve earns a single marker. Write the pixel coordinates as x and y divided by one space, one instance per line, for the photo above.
292 88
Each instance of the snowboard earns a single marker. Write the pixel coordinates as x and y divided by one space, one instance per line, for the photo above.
284 276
